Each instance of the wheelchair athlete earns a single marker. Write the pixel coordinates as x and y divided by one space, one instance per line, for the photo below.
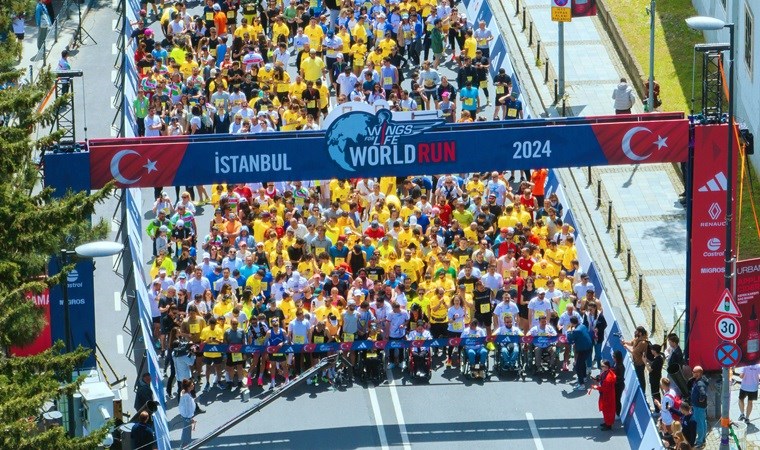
508 353
371 361
419 357
477 351
543 351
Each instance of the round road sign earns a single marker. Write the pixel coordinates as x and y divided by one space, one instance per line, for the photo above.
728 354
728 328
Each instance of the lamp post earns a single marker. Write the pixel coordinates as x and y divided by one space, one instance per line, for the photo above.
650 97
90 250
703 23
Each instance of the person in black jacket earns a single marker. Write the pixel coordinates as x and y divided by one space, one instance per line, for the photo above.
221 122
144 393
688 424
619 369
655 362
596 324
142 435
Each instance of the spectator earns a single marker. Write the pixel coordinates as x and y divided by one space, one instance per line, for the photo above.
750 378
638 347
623 97
143 436
187 409
698 398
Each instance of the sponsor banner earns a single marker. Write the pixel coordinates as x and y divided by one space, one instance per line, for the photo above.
81 293
383 345
748 298
583 8
371 145
708 234
45 340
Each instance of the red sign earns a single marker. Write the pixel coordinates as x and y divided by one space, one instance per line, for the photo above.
45 340
708 234
727 327
748 299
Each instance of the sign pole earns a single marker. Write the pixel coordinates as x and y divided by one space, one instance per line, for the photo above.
650 99
561 57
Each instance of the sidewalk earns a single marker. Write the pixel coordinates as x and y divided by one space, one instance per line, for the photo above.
67 18
654 230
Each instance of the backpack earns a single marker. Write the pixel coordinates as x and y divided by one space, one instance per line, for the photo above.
675 410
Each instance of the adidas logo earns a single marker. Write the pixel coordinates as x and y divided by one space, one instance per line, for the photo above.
715 184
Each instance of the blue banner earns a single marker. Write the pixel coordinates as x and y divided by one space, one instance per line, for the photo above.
81 293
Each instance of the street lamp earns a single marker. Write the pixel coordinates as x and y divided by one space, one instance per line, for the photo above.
702 23
90 250
650 95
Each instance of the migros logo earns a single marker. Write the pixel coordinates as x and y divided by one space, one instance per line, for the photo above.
358 139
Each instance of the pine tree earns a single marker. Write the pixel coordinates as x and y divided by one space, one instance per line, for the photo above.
33 226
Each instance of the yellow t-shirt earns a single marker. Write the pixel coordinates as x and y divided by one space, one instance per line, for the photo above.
208 335
315 35
470 45
296 89
280 29
359 52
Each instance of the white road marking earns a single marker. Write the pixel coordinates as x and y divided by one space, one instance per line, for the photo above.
113 24
534 431
378 418
114 50
113 76
112 100
397 410
117 301
120 344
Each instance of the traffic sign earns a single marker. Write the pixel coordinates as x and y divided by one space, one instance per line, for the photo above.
728 354
728 328
727 305
561 11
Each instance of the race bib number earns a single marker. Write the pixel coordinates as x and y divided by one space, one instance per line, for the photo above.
230 14
469 101
195 328
485 308
339 261
237 357
512 112
468 288
299 340
264 285
372 355
209 16
483 84
457 326
348 337
319 339
499 89
311 105
387 81
469 78
373 277
463 259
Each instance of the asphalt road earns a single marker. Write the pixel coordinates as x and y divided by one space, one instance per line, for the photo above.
449 411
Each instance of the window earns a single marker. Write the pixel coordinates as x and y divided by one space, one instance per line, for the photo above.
748 24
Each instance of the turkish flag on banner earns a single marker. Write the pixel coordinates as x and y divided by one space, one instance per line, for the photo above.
708 235
45 340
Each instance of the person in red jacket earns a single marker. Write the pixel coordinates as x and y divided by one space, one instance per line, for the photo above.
606 388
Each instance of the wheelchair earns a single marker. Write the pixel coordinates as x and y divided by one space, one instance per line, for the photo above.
370 367
513 362
420 365
478 371
549 362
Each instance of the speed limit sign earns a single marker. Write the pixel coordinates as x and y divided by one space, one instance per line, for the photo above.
728 328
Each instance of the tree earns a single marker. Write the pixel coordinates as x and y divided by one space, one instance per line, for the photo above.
33 225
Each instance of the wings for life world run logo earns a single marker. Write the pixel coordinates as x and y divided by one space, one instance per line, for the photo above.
358 140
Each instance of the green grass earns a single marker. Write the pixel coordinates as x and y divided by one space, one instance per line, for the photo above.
749 241
674 46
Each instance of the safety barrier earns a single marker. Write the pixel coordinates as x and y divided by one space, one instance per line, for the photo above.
139 281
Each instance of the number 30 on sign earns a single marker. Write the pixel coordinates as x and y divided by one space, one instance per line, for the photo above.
728 328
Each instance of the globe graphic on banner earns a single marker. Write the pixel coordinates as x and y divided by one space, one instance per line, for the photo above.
347 130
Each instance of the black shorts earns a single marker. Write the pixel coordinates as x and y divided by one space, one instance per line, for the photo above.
231 363
216 360
752 396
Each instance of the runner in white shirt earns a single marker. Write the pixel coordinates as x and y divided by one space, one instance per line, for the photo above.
456 316
478 351
504 307
563 323
396 331
492 280
750 381
538 304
